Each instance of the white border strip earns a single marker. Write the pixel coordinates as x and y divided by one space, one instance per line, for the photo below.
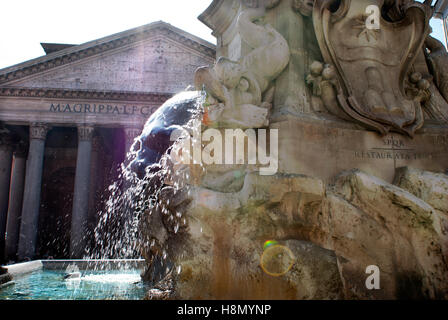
25 267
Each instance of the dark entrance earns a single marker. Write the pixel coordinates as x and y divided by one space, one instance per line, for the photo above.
55 217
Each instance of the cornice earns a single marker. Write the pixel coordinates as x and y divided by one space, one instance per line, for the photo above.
219 15
84 94
76 53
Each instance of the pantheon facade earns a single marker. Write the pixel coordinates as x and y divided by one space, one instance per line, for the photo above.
67 120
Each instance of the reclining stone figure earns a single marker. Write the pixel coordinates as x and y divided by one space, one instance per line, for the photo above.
241 92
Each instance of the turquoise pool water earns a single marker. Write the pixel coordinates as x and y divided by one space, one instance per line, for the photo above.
93 285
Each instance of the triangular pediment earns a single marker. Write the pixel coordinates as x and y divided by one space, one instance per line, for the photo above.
154 58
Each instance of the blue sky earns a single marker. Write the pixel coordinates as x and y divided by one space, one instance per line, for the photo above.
437 28
24 24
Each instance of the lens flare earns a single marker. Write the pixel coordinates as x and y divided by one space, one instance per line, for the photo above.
277 260
269 243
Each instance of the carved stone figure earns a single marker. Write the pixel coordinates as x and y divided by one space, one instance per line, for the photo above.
438 63
322 80
370 70
241 92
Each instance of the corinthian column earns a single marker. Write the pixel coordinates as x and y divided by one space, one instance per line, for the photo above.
95 184
31 194
130 135
78 238
5 177
15 201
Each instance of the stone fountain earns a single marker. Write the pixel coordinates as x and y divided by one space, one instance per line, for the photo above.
355 120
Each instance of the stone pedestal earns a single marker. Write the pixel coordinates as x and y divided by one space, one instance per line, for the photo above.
5 176
15 203
32 191
80 211
324 148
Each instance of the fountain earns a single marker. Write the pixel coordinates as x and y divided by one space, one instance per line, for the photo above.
358 157
74 280
313 153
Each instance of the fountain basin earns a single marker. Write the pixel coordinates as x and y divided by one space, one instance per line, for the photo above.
99 280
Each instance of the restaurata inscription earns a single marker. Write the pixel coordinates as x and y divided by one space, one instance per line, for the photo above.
393 149
391 155
93 108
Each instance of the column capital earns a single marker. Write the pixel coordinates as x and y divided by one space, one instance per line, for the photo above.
131 133
39 131
85 132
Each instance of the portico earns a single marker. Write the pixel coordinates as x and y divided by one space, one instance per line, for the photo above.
74 114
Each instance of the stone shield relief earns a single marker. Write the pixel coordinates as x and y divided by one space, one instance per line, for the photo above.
373 66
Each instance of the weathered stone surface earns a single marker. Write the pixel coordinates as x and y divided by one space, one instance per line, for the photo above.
360 220
377 223
428 186
324 148
358 242
224 263
256 188
217 255
314 275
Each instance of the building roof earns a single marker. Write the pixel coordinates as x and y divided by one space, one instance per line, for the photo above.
53 47
71 53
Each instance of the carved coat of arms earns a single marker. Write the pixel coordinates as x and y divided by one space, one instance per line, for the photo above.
373 65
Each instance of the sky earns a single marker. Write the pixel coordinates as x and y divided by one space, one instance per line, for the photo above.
24 24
